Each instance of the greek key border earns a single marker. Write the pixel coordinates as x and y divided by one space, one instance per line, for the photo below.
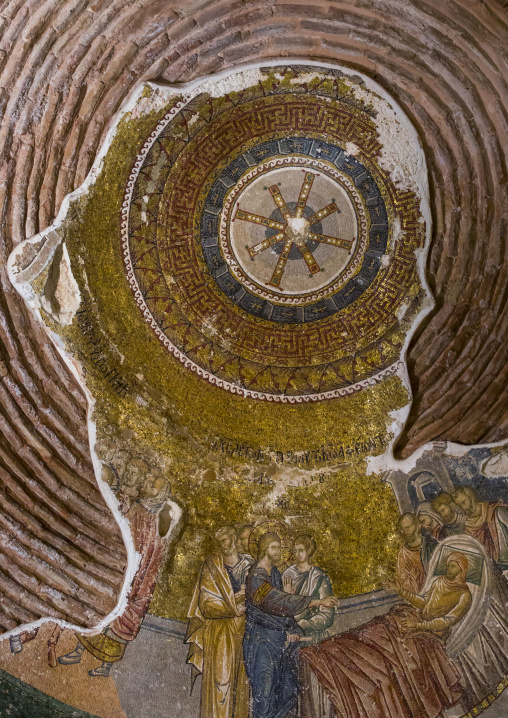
188 363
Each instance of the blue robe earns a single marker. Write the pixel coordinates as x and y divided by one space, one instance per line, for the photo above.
271 662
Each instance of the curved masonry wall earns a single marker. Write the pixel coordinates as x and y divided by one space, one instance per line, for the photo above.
67 67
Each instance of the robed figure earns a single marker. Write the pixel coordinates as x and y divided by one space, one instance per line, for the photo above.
145 503
271 633
486 522
431 521
216 627
415 554
396 666
452 517
304 579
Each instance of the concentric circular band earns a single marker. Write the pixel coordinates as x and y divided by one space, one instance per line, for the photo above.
372 231
245 332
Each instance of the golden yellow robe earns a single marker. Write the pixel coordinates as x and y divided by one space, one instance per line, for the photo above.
446 603
215 635
410 571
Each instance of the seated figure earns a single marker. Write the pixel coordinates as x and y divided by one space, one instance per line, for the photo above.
400 665
305 579
448 600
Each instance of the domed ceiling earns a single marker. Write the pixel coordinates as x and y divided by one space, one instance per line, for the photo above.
259 236
232 292
236 283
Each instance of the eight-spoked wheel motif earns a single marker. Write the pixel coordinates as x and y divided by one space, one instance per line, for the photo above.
295 230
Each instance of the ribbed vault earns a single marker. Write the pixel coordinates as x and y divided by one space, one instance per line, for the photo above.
68 65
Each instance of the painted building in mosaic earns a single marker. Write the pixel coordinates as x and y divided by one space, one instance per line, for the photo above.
253 397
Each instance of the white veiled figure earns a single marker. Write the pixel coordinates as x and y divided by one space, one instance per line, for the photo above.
478 644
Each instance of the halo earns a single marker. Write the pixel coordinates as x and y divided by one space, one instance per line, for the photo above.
283 531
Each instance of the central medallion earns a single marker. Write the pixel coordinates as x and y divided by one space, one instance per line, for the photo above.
295 229
258 240
290 230
298 229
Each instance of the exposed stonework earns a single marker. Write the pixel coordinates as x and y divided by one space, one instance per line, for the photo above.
66 68
61 298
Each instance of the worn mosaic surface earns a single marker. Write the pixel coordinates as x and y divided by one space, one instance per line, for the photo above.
236 285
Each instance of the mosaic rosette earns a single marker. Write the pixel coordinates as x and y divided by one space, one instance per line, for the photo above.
266 244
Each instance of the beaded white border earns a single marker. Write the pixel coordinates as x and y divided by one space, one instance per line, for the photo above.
188 363
241 274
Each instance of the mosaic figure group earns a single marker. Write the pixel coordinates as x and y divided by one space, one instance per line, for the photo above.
450 515
270 645
263 616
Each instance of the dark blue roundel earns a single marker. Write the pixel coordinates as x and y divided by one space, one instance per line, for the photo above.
322 309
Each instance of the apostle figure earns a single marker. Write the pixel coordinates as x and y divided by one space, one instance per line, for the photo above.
486 522
143 498
305 579
216 627
453 519
414 556
396 665
431 521
242 542
271 632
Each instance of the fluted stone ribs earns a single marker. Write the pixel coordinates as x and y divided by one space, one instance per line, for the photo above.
67 66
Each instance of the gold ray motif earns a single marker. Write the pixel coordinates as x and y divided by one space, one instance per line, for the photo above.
281 264
334 241
295 229
325 212
304 193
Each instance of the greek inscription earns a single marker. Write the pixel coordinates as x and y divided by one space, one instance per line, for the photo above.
94 349
324 454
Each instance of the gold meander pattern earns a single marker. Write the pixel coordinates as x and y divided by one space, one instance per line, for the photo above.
242 353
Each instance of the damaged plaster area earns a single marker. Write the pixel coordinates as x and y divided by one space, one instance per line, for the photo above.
61 297
54 274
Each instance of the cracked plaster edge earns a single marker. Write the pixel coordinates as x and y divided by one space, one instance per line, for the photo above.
133 557
387 462
52 236
66 288
451 449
